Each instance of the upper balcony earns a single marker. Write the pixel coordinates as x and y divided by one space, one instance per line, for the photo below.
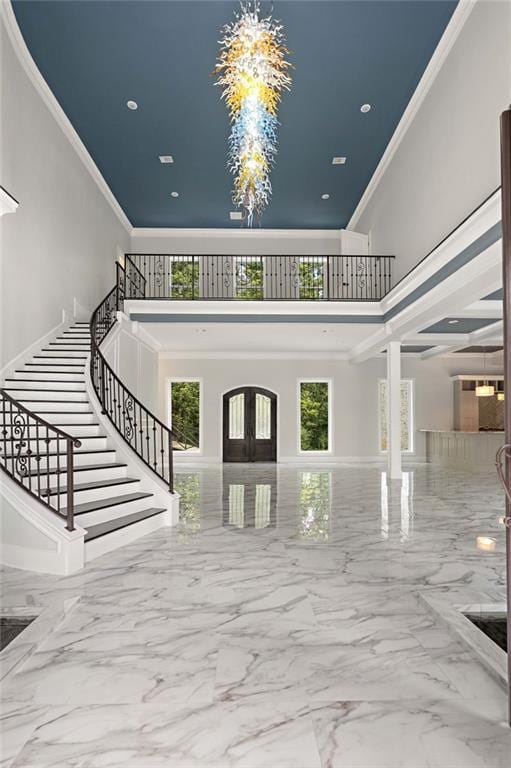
174 277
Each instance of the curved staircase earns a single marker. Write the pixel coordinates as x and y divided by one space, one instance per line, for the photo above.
110 503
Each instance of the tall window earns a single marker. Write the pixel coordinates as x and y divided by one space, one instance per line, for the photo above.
406 414
184 278
314 416
185 414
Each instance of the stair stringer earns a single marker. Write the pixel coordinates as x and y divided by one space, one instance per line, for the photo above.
148 480
34 538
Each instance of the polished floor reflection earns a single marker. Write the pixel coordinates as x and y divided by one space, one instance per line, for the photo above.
282 623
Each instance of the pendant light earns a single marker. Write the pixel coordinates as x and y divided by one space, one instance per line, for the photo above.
485 389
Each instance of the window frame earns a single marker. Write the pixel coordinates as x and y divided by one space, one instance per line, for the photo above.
411 417
180 380
315 380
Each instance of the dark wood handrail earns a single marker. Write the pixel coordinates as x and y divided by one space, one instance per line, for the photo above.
42 422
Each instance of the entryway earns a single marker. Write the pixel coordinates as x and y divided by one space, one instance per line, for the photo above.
250 425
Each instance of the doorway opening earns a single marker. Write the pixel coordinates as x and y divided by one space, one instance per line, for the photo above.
250 425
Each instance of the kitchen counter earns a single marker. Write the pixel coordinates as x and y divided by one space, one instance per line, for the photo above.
463 449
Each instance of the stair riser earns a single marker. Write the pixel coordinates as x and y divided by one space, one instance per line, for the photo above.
120 538
62 354
39 407
96 494
112 513
66 348
79 431
61 376
79 461
86 476
58 381
50 393
68 420
53 370
86 444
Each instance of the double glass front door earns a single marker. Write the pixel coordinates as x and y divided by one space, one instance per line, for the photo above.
250 425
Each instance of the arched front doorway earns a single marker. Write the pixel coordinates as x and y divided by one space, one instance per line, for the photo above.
250 425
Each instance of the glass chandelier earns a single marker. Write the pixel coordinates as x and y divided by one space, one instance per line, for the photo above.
253 72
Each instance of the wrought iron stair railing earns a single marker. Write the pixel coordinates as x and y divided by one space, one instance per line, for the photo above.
258 278
39 457
145 433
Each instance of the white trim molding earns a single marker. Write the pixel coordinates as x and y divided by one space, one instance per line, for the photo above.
248 234
449 37
40 84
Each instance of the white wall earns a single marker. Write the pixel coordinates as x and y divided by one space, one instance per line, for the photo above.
448 161
354 390
237 241
134 361
62 241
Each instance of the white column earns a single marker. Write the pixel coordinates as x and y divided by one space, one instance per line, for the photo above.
394 409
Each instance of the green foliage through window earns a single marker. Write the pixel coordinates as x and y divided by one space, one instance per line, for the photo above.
314 416
312 278
185 279
185 414
249 279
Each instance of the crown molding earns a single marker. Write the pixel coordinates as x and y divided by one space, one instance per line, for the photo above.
449 37
249 234
27 62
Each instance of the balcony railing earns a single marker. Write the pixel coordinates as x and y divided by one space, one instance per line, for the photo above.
257 278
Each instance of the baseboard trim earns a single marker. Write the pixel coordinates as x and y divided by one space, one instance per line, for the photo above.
182 460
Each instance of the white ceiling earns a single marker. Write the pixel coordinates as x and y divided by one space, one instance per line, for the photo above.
254 338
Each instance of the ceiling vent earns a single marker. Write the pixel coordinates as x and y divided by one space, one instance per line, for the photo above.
338 160
236 215
166 159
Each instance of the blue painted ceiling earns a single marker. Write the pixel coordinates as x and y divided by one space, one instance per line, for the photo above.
97 55
478 350
463 325
497 295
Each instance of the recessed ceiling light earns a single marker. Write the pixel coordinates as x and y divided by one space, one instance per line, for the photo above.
132 104
325 197
338 160
365 108
453 322
235 215
174 194
166 159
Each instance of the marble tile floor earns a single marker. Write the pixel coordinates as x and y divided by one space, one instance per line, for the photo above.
280 624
